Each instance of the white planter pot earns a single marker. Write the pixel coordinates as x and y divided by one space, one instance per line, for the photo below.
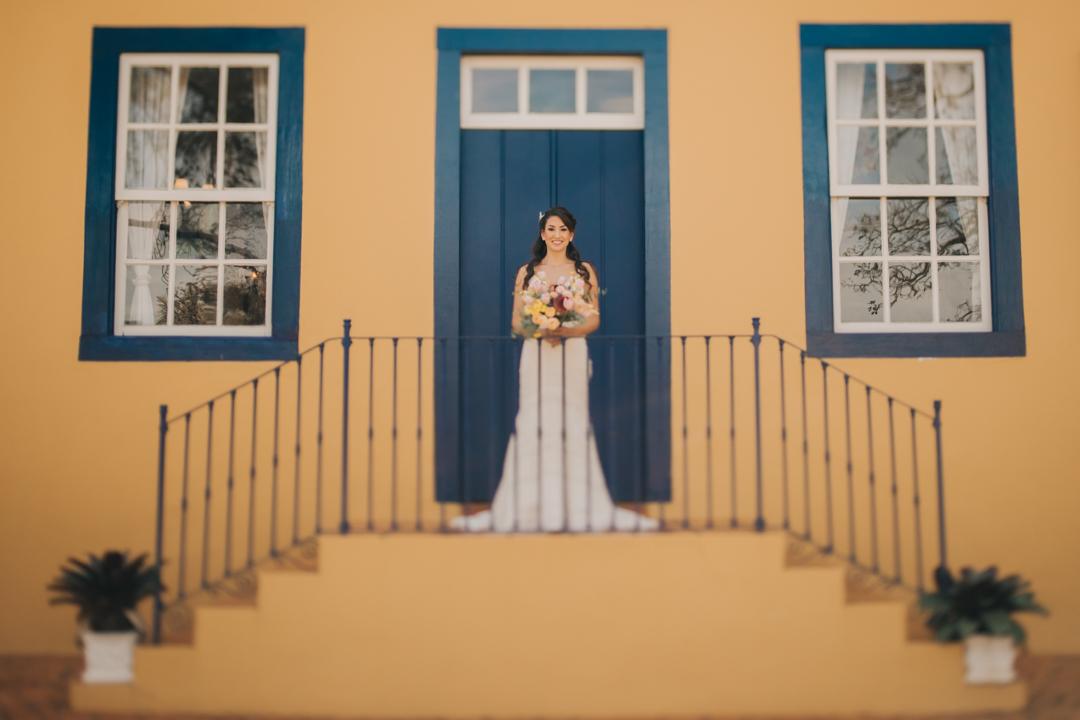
989 659
110 656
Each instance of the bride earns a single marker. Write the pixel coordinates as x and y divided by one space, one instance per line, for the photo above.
552 480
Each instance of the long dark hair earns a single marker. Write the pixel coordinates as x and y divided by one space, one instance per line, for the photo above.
539 247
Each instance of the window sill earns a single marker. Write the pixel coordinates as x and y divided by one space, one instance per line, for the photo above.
180 349
908 345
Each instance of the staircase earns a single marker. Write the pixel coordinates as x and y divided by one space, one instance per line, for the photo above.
456 626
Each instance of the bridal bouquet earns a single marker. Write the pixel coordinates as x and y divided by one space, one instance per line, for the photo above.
548 306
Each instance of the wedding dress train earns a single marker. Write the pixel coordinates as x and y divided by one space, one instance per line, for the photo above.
551 482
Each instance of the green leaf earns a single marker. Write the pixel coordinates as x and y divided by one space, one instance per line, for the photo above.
966 626
998 622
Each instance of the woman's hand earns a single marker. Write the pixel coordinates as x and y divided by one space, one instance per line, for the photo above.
554 337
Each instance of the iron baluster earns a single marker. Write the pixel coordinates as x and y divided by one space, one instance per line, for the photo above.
873 483
274 463
394 448
828 460
611 415
346 343
491 434
204 580
419 430
783 442
229 494
562 439
466 470
708 438
296 456
251 473
759 521
850 471
539 436
444 371
159 527
371 437
662 506
181 592
731 428
319 449
805 449
917 503
638 479
685 444
895 496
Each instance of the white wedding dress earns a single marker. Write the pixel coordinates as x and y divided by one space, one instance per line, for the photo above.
552 483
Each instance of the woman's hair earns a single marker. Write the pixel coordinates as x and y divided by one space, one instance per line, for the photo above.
539 247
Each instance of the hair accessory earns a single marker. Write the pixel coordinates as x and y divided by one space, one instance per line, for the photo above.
541 216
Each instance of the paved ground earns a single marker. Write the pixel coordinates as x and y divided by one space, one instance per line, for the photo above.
35 688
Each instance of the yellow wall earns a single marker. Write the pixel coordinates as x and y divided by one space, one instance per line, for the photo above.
77 440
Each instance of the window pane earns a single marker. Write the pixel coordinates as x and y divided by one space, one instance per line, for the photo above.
954 91
197 230
551 91
199 94
147 164
909 226
856 91
245 296
862 227
610 91
245 230
906 153
196 159
905 90
148 231
957 156
961 292
151 88
494 90
245 95
957 226
910 292
860 292
245 155
857 156
195 302
147 286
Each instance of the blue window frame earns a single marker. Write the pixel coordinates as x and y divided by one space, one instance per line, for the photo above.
98 342
1007 337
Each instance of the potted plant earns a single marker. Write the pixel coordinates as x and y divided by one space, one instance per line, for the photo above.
106 590
977 608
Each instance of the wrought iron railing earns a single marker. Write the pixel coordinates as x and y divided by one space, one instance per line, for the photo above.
737 431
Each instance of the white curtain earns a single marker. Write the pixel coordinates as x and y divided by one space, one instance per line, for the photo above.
850 83
260 77
144 223
954 99
148 150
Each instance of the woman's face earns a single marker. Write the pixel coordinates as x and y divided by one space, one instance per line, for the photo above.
556 235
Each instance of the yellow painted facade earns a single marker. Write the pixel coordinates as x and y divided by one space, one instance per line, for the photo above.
78 440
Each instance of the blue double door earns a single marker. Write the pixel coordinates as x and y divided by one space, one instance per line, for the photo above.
508 177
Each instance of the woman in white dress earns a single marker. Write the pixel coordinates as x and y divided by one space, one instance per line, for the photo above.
553 481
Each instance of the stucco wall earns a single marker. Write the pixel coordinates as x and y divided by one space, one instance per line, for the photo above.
77 440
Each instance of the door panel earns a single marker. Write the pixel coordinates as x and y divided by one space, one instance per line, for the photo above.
507 178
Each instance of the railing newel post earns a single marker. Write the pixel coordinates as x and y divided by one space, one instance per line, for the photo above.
940 488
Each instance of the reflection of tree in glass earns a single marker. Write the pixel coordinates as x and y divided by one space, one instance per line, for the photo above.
909 226
241 160
908 281
868 278
952 240
864 234
197 234
905 90
196 300
245 296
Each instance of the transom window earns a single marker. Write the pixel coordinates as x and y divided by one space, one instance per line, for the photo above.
909 186
194 189
600 93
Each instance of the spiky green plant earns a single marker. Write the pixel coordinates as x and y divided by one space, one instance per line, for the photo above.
106 589
978 603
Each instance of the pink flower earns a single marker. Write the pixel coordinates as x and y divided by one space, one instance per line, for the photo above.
545 298
560 290
568 303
